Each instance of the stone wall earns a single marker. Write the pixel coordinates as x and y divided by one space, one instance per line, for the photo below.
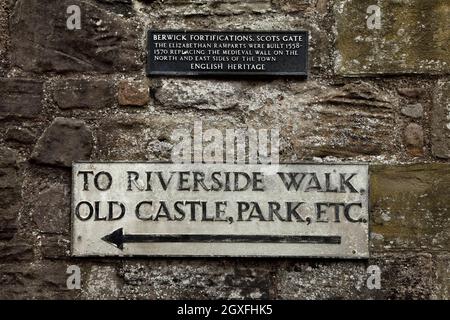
373 95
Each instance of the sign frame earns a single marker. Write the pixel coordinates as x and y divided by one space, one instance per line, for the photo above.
301 256
301 74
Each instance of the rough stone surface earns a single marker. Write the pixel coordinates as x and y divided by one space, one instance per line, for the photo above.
64 141
205 7
197 94
9 193
20 135
413 110
133 93
16 252
440 125
80 94
7 157
20 97
407 276
104 43
410 207
4 39
417 43
412 92
212 279
34 281
414 138
55 247
294 6
51 210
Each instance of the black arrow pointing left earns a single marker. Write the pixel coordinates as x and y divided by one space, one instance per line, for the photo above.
118 238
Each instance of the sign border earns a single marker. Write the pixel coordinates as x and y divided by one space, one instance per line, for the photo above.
227 73
214 256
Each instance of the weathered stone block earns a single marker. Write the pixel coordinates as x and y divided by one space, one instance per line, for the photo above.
103 282
216 7
199 94
4 39
9 194
440 122
55 247
133 93
413 136
20 97
124 7
196 280
64 141
105 43
412 93
7 157
35 281
410 206
403 276
413 110
342 121
413 37
81 93
443 271
51 210
8 177
17 251
20 135
140 132
293 6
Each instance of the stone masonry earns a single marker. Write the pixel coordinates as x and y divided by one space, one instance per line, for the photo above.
380 96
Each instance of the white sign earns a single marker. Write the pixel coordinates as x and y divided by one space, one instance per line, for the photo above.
163 209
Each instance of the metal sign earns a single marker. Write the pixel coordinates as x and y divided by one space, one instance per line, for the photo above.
163 209
227 53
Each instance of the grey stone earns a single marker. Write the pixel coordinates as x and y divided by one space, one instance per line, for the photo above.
51 210
8 178
195 279
413 93
402 276
413 136
17 251
41 280
20 97
55 247
81 94
20 135
8 224
9 193
292 6
64 141
199 94
206 7
4 39
413 110
105 43
7 157
124 7
440 121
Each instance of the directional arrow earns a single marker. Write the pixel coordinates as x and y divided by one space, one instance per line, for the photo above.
118 238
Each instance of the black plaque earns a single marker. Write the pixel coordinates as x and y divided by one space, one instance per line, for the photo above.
227 53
